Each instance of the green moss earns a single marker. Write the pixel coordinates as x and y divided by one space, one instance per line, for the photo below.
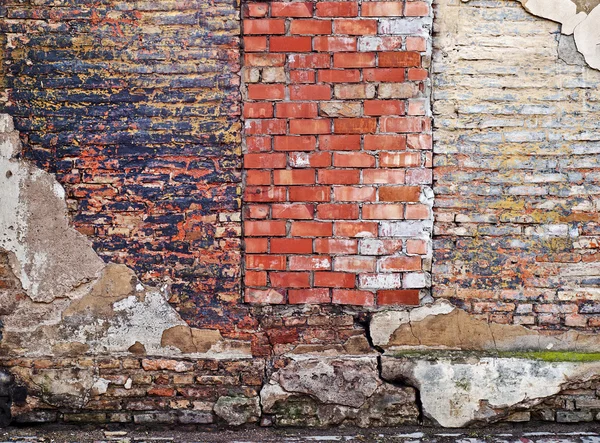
554 356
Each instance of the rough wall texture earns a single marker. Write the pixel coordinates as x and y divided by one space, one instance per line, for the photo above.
135 107
516 168
338 160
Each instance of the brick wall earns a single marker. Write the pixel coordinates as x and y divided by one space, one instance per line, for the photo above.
516 168
135 107
337 140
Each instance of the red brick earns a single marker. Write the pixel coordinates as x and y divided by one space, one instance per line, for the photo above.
353 160
415 74
297 143
256 278
302 76
356 264
258 178
419 141
264 161
336 211
355 91
266 262
416 247
355 27
305 160
399 193
290 44
417 107
354 60
310 92
257 245
262 127
400 264
309 61
383 176
312 229
258 110
384 75
293 211
294 177
258 144
339 75
355 229
266 296
405 124
308 126
296 110
339 142
257 9
353 297
264 26
416 9
310 263
335 246
289 9
257 211
398 297
266 92
309 296
334 44
353 194
310 193
384 107
310 27
399 159
255 44
264 228
416 44
399 59
159 391
383 212
264 60
335 280
264 194
338 176
289 279
417 212
354 125
291 246
385 142
337 9
382 9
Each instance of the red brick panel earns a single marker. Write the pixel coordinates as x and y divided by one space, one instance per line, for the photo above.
337 152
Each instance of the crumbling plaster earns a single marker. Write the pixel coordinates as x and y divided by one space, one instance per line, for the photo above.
580 18
76 303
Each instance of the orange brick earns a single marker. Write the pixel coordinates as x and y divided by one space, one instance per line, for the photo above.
289 9
296 110
400 264
382 9
310 263
255 44
335 246
354 194
257 245
353 160
293 211
335 280
310 126
264 228
289 279
338 176
339 75
355 229
264 161
399 193
258 177
417 212
399 59
385 142
337 9
398 297
396 75
356 264
383 212
384 107
291 246
264 194
264 26
297 143
339 142
266 262
266 92
310 92
383 176
337 211
310 27
294 177
354 60
290 44
355 27
256 278
309 296
334 44
310 193
353 297
354 125
312 229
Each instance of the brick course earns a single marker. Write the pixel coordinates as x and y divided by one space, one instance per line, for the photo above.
338 140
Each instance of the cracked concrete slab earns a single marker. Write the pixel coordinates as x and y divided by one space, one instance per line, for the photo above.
458 391
443 326
74 303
